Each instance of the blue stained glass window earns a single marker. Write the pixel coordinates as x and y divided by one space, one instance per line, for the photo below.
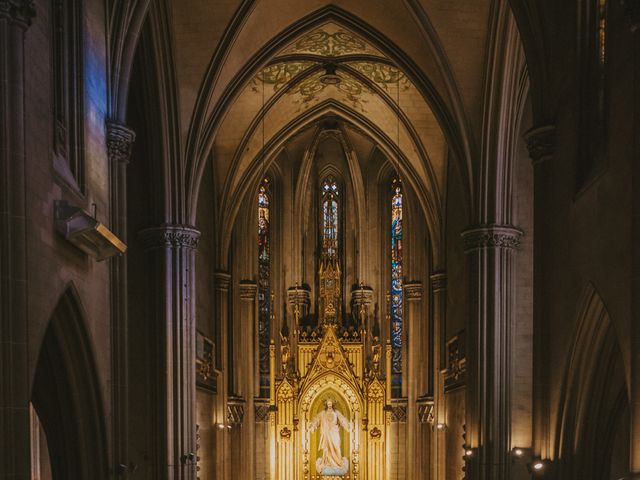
264 277
396 285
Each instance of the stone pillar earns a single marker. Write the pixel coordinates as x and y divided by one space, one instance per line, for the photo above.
171 253
490 250
414 329
439 311
248 321
222 281
361 303
299 300
632 15
119 142
541 145
15 17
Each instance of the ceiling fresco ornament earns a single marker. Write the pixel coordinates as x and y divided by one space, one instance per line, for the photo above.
382 74
328 42
280 74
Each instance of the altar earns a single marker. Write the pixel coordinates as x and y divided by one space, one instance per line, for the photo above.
329 403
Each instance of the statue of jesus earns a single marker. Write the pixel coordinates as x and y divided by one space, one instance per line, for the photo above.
330 420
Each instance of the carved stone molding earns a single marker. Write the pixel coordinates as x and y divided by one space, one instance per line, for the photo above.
18 12
235 411
119 142
262 412
298 296
438 281
455 372
541 143
171 236
248 290
491 236
426 410
221 280
412 291
399 413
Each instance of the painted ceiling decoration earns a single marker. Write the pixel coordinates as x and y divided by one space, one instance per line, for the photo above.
331 41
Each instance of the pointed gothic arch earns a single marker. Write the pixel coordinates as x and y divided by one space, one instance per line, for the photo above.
594 394
66 395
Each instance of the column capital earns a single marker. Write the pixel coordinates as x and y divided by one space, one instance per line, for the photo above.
412 291
170 236
491 236
120 140
298 295
222 279
18 12
541 143
248 290
438 281
362 294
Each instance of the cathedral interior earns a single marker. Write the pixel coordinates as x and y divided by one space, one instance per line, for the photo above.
311 240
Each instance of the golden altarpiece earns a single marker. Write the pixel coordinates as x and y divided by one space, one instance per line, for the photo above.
335 369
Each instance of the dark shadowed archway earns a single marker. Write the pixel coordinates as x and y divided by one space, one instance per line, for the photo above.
66 395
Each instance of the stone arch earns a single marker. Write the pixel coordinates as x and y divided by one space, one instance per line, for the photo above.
66 395
593 396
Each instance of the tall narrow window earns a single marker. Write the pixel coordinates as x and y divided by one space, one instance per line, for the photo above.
396 287
330 199
264 283
68 90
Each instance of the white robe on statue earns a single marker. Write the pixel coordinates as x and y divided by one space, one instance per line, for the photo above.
331 462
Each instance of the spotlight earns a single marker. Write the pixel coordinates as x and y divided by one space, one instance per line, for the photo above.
517 452
440 426
537 466
220 426
468 452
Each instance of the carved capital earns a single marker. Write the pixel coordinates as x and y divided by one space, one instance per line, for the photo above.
362 295
491 236
248 290
221 280
425 410
298 295
170 236
235 411
438 281
17 12
412 291
119 142
541 143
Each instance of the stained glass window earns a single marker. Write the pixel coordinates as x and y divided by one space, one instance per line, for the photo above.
264 277
396 285
330 199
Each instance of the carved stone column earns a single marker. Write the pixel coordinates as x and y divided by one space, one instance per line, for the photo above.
222 281
541 142
119 142
490 250
171 259
439 311
299 301
248 322
414 330
632 14
15 17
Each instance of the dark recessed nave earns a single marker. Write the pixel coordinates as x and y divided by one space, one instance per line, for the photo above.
310 240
